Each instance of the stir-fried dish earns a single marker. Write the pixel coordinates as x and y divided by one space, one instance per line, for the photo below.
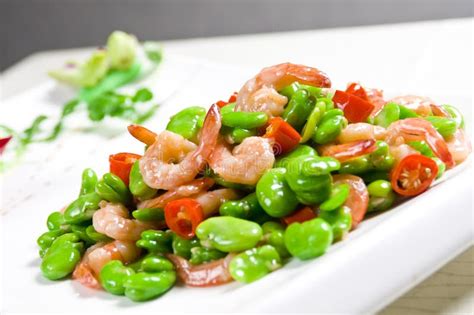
284 168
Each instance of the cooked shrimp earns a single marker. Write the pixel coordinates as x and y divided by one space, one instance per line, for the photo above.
173 161
418 129
211 201
88 270
259 94
245 163
112 219
142 134
459 146
400 151
191 189
375 96
419 104
361 131
205 275
358 200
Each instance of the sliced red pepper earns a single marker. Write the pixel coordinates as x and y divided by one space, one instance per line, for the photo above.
183 216
232 99
121 164
347 151
300 216
357 90
413 175
285 136
355 108
3 143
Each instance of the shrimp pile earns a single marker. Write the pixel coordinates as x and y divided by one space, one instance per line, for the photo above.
286 167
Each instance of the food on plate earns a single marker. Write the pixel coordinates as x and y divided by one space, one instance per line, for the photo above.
284 168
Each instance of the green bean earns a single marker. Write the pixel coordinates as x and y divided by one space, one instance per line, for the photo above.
157 277
445 126
340 221
228 234
389 114
254 264
274 194
62 257
201 255
80 231
289 90
113 189
308 239
89 180
149 214
113 276
96 236
182 247
46 239
299 108
405 112
246 120
237 135
137 186
339 194
155 241
187 122
329 129
329 114
228 108
381 159
455 114
381 195
55 221
300 150
82 208
246 208
422 147
309 177
356 166
312 123
273 234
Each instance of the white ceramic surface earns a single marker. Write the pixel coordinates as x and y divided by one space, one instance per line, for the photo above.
384 257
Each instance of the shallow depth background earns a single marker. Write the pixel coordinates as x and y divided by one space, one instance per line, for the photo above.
28 26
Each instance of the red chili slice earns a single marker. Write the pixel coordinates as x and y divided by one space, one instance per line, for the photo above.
355 108
183 216
121 164
3 143
357 90
413 175
285 136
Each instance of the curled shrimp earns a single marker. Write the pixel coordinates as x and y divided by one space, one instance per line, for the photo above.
211 201
375 96
419 104
191 189
418 129
112 219
459 146
361 131
205 275
173 161
259 94
88 270
245 163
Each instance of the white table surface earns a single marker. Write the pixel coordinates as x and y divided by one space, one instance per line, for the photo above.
442 49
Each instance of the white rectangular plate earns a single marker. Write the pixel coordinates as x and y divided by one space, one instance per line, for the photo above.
383 258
